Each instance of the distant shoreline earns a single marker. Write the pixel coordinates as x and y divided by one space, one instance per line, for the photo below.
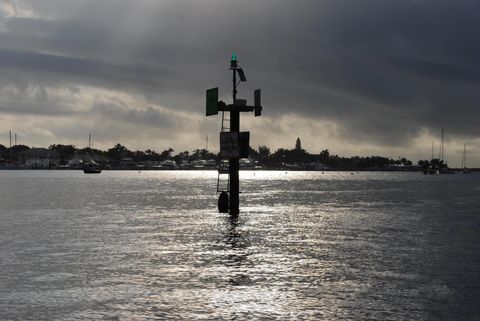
215 169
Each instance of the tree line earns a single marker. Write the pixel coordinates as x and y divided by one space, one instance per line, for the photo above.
262 156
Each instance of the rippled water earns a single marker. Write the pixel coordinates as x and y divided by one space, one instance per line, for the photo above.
306 246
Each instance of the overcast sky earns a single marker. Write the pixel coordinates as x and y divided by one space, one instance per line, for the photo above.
355 77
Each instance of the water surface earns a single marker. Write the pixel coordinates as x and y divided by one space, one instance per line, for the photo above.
146 245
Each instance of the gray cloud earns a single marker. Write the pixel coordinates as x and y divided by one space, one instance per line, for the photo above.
384 71
52 69
145 117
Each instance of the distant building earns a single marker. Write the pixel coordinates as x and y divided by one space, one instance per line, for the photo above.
127 163
75 163
202 163
81 157
317 166
246 163
169 164
38 158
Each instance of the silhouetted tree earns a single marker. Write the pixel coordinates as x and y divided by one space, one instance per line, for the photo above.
139 156
65 152
298 155
181 157
298 144
405 161
324 156
424 163
166 154
279 158
263 154
202 154
252 153
118 152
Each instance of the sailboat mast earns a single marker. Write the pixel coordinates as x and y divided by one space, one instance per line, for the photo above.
464 155
443 139
89 146
10 133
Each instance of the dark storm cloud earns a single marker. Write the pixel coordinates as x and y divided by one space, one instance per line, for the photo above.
383 70
145 117
55 68
37 109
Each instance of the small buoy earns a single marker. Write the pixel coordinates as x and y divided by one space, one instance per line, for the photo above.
223 202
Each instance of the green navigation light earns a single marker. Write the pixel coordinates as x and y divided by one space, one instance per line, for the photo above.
234 57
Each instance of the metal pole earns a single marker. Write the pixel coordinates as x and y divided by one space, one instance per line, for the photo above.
10 134
234 166
443 139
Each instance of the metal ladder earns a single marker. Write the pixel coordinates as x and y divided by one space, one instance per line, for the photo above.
222 172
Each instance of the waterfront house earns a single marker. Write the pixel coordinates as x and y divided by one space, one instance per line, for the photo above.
38 158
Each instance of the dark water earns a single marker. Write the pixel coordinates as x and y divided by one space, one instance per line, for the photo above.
307 246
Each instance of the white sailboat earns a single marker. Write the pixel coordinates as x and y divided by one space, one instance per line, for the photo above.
91 167
443 166
465 169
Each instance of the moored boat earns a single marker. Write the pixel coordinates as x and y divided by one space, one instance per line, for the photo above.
465 169
91 167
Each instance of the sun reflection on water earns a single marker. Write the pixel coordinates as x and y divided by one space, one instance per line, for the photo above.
306 246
